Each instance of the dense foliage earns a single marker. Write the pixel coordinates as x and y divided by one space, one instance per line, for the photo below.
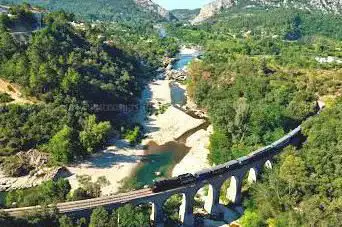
185 15
104 10
5 98
47 193
308 181
80 74
261 76
255 83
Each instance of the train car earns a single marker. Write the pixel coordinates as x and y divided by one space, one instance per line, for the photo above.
218 170
186 179
244 160
203 174
262 153
284 141
233 164
172 183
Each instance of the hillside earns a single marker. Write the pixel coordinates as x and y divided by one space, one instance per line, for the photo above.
261 75
150 6
211 9
108 10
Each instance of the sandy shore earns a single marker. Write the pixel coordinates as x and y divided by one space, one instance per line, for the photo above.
119 160
115 163
196 159
189 51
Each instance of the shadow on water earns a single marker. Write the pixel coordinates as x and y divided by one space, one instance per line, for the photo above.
159 160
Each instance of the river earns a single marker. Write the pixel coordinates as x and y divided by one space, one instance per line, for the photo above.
161 159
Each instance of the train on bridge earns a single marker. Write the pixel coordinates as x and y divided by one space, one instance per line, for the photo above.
187 179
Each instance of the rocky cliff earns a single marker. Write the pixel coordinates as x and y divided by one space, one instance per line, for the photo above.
153 7
211 9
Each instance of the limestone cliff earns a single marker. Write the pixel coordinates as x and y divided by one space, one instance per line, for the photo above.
211 9
153 7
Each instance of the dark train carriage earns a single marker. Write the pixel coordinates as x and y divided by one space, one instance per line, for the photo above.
233 164
265 152
219 169
244 160
203 174
172 183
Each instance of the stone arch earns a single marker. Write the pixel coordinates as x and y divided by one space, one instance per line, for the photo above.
201 197
178 209
234 190
211 204
268 164
171 208
253 175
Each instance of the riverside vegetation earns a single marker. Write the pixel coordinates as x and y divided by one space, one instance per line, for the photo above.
258 79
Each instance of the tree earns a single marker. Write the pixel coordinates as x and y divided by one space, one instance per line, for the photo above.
71 81
251 219
99 218
130 216
94 134
62 145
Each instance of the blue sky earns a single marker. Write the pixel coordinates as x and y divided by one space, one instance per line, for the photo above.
182 4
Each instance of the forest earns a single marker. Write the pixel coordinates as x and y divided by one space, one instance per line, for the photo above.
102 10
86 70
259 77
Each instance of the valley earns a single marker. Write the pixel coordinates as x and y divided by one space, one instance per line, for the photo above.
111 97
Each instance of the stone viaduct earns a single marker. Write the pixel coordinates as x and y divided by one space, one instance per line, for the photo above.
250 165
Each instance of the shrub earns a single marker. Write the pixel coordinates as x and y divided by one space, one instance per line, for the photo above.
4 98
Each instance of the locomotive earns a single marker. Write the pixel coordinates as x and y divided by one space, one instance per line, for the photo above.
172 183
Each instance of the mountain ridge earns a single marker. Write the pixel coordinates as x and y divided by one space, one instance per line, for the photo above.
213 8
150 5
105 10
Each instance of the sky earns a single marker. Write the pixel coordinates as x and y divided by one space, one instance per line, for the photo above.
182 4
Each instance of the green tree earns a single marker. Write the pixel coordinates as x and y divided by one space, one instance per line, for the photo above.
63 146
99 218
130 216
71 81
94 134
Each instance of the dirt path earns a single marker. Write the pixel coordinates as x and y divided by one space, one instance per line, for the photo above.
14 92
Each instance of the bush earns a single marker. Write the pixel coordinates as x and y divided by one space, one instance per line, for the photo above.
47 193
133 136
4 98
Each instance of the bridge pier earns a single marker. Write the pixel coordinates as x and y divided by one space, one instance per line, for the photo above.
212 202
157 215
235 189
186 209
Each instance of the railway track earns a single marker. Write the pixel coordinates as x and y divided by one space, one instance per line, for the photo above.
69 207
